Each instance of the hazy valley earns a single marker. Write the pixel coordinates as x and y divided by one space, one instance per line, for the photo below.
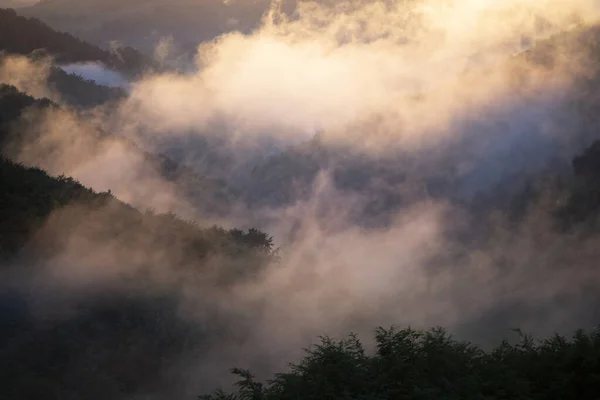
187 187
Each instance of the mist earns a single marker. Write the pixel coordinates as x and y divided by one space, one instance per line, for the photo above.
26 75
435 88
98 73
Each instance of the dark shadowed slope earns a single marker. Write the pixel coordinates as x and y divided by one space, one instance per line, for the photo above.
92 289
123 335
30 197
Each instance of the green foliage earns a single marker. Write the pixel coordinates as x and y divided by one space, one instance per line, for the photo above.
412 364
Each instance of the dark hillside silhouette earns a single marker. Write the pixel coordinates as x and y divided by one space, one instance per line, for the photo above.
20 35
77 91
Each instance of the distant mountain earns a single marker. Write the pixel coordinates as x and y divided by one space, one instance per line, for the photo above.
31 38
142 23
20 35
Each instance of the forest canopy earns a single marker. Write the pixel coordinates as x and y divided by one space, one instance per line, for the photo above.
431 364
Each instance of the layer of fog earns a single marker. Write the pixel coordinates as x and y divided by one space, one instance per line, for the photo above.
27 76
372 84
98 73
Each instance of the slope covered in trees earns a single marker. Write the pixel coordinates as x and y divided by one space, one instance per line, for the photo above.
209 196
126 335
12 105
20 35
66 88
77 91
30 197
41 45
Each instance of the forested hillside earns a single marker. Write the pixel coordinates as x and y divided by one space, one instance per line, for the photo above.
20 35
23 39
30 197
77 91
210 196
42 219
50 224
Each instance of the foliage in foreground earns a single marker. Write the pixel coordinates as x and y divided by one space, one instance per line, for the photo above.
412 364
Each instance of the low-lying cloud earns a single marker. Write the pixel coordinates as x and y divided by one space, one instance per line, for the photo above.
98 73
415 66
27 75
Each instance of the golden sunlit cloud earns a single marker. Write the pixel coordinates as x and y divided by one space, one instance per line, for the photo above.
416 66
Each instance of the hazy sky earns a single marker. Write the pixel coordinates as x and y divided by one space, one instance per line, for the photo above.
17 3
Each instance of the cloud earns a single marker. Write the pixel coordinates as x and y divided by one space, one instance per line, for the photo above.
415 66
64 142
27 75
